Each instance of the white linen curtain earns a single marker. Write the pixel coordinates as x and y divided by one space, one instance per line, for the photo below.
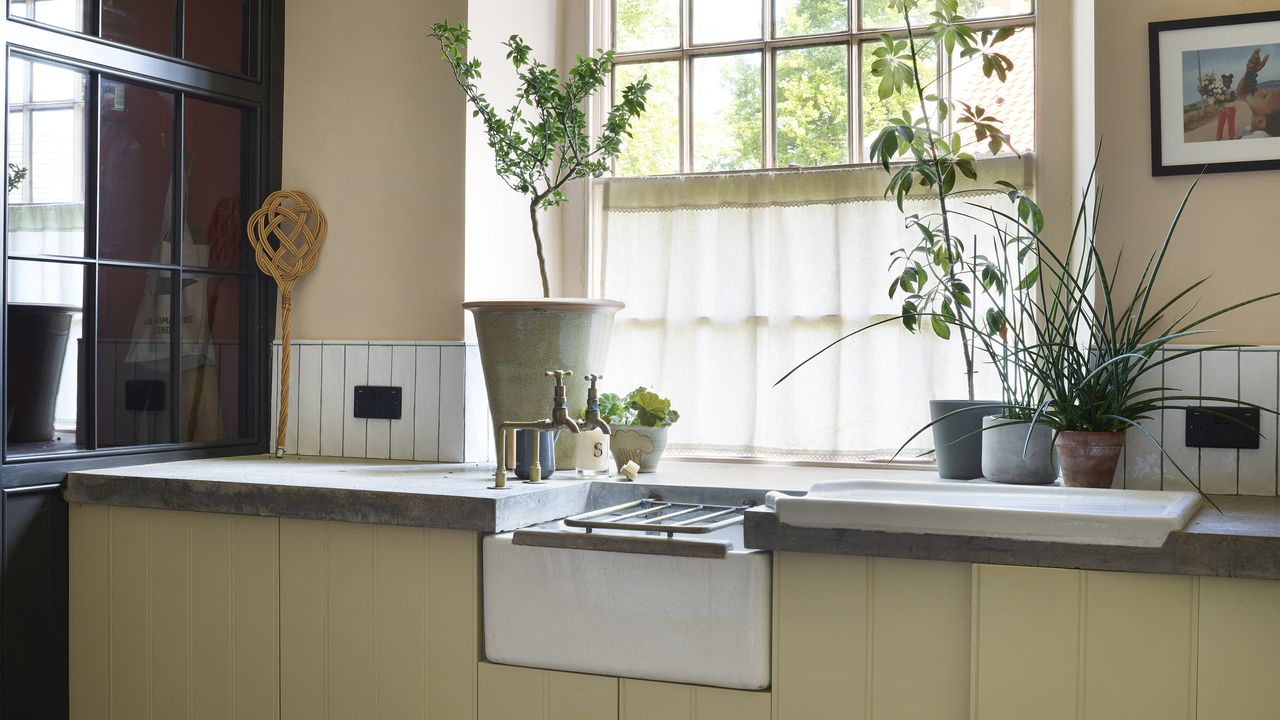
732 280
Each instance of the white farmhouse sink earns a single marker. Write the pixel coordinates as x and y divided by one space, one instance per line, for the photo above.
696 620
1142 518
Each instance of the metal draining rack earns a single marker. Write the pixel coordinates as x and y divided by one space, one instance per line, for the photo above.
660 516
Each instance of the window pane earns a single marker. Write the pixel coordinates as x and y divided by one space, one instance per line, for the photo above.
47 358
654 145
726 20
727 116
1012 101
47 153
994 8
646 24
878 14
809 17
68 14
134 349
215 162
215 33
813 106
146 24
212 368
876 112
136 155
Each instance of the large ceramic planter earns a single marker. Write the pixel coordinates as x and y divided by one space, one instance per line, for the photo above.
1009 457
957 440
522 339
638 443
1089 459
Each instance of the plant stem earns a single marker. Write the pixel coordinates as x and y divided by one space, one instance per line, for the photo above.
537 240
942 199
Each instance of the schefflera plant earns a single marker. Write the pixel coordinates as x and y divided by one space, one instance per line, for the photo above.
939 275
543 141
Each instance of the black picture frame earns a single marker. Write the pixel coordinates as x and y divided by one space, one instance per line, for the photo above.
1163 158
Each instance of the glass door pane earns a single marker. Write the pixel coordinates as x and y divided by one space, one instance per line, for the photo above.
134 351
214 33
646 25
46 163
812 97
717 21
67 14
653 147
728 116
216 185
146 24
136 160
214 343
47 358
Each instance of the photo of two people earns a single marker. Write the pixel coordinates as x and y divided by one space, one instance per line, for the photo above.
1231 93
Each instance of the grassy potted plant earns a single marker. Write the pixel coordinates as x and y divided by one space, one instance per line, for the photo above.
1097 345
540 144
923 150
638 426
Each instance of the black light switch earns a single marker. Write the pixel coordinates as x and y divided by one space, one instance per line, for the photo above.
378 402
1213 430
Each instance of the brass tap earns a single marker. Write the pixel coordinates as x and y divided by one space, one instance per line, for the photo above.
591 416
559 418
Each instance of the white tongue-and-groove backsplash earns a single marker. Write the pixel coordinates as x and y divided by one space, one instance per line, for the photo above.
1249 374
444 413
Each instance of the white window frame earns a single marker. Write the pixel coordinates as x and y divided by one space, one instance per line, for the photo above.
768 46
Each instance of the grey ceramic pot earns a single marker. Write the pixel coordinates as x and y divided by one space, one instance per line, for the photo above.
521 339
957 440
642 444
1007 457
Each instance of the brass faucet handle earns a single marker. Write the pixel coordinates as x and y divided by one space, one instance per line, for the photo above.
559 375
592 378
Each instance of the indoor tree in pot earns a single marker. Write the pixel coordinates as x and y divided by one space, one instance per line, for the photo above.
937 274
540 145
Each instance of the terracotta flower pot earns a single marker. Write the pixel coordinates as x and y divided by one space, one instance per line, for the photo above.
1088 459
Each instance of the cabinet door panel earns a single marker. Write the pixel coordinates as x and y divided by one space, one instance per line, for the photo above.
1138 646
1026 643
571 696
511 692
645 700
721 704
1239 649
820 660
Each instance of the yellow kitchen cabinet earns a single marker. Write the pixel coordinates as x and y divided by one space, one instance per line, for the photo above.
172 614
508 692
185 616
377 621
648 700
1055 643
1239 649
858 638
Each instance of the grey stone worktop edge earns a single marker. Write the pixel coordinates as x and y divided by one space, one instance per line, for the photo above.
499 512
1230 549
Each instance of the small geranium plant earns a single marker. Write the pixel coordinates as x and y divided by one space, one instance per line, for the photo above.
640 407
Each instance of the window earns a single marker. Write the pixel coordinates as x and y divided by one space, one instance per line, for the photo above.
760 84
135 319
745 231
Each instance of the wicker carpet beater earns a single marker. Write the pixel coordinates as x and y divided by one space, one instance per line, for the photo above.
286 233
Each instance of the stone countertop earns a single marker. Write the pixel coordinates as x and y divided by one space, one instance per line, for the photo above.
1242 541
369 491
405 493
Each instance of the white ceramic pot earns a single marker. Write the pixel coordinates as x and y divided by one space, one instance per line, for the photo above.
642 444
1007 457
522 339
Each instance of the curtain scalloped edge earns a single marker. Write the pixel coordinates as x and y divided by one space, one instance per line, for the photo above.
784 188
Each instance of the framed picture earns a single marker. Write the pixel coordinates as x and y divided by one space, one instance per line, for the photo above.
1215 94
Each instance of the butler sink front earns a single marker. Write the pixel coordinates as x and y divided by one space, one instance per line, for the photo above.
640 591
1141 518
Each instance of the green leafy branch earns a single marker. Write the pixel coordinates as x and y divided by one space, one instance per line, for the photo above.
543 141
